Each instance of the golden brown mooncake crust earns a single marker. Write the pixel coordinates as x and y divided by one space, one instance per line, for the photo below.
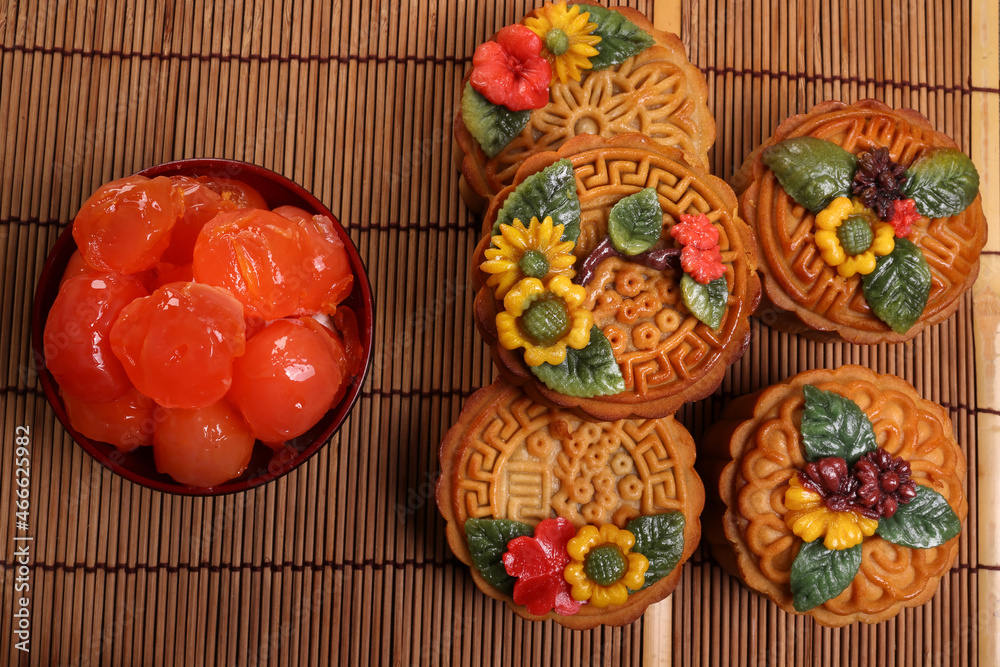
657 93
667 356
508 457
757 447
803 294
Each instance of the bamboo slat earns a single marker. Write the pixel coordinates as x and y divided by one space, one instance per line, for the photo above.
344 560
985 108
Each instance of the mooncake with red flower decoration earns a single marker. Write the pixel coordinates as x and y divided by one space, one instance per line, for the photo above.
841 494
614 278
569 69
584 523
869 224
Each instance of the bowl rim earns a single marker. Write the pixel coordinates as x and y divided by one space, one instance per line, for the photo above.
112 460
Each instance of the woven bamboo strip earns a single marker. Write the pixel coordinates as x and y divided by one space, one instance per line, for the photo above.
985 108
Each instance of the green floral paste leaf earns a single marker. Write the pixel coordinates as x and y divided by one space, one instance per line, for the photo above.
620 38
550 192
924 522
493 125
812 171
660 538
488 540
636 222
820 574
942 182
585 373
706 302
834 426
898 289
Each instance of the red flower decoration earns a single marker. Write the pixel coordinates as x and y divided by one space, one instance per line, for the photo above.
702 265
538 563
511 71
697 231
904 214
700 256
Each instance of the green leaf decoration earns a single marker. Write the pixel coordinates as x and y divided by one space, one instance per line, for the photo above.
706 302
942 182
834 426
924 522
585 373
620 38
636 222
898 289
660 538
820 574
488 540
812 171
493 125
550 192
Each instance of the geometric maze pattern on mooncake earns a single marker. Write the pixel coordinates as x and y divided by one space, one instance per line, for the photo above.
528 462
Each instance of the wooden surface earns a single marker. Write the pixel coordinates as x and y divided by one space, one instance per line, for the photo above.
985 151
343 561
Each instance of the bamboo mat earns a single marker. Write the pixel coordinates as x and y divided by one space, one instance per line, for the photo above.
344 560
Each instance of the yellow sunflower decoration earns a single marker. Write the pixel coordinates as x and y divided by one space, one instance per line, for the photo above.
535 251
850 237
602 566
569 44
810 519
544 319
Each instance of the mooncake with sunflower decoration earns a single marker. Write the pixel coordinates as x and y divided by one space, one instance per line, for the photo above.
614 278
841 494
869 224
569 69
585 523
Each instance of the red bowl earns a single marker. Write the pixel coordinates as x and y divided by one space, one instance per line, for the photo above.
265 464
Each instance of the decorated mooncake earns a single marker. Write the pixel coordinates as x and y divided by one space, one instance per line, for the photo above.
841 494
585 523
575 69
869 224
615 279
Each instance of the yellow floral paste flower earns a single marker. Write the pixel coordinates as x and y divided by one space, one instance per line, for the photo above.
544 319
810 519
535 251
569 44
602 566
849 237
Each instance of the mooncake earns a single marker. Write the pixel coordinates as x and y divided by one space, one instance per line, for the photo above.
869 224
838 494
615 279
584 523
